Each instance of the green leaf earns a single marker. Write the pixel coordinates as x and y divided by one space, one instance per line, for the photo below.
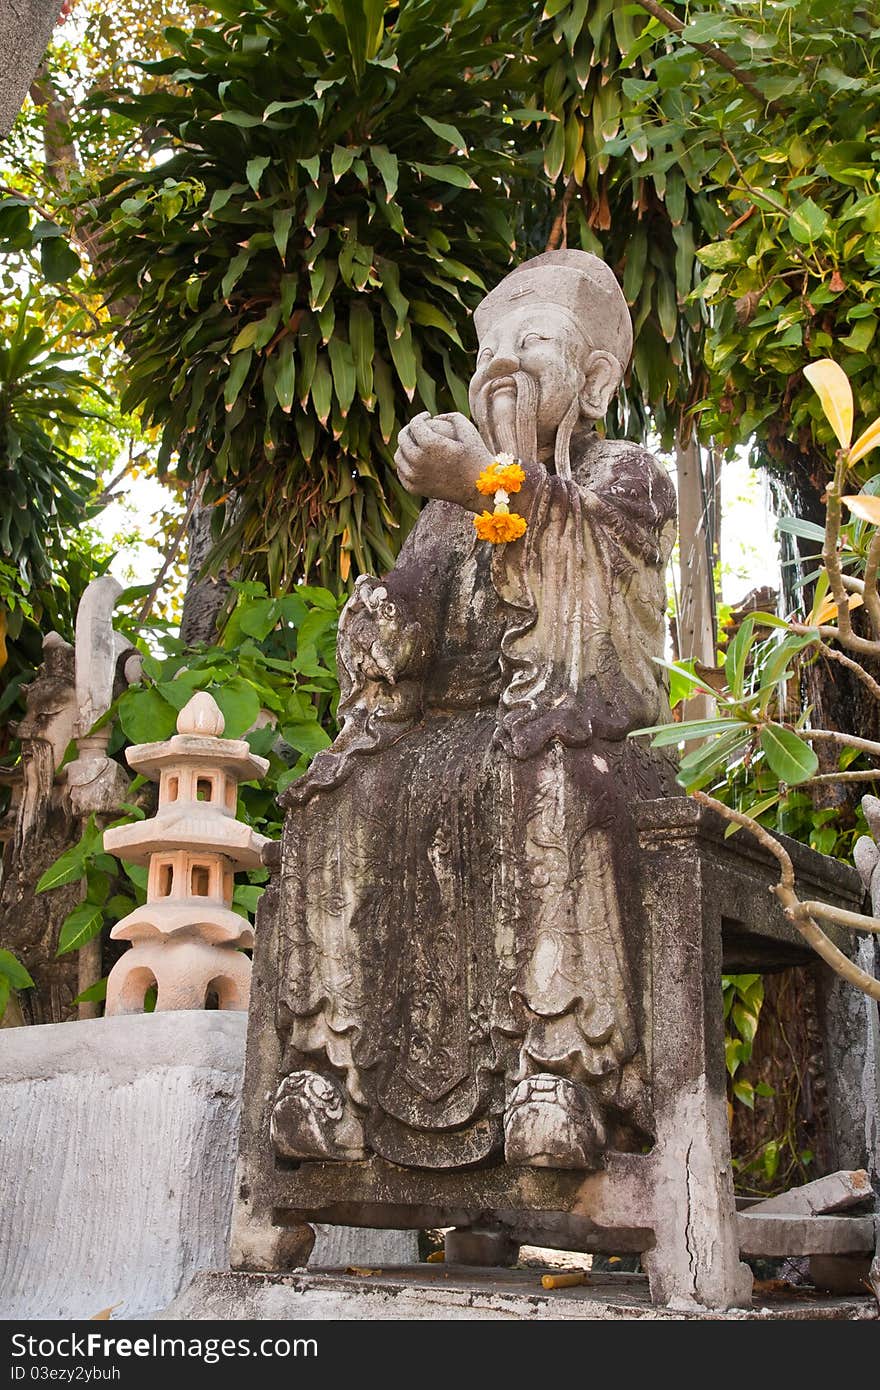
450 133
807 222
79 926
58 260
665 735
306 736
745 1021
255 170
95 994
239 703
738 655
145 716
13 970
790 758
386 163
282 220
235 380
744 1091
71 865
446 173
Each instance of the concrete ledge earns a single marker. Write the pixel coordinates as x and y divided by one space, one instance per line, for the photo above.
439 1292
117 1164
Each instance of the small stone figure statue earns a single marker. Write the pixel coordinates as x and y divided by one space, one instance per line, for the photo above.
454 943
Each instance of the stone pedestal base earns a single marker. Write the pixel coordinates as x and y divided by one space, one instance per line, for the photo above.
452 1293
117 1158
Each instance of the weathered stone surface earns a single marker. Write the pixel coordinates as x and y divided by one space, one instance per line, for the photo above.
117 1153
487 971
187 940
835 1192
780 1234
25 30
454 1294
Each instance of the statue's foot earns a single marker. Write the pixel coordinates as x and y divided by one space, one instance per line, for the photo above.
313 1118
552 1123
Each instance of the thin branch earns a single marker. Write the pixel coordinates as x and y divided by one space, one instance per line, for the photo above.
871 596
834 655
864 776
856 921
852 640
795 911
559 231
830 550
170 556
708 50
865 745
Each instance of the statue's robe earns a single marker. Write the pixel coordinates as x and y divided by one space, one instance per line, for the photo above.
459 902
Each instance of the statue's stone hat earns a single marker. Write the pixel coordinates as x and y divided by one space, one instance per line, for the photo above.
576 281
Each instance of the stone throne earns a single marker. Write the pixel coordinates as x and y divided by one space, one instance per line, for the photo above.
486 989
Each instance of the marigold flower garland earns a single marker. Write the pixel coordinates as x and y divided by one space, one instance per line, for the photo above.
499 479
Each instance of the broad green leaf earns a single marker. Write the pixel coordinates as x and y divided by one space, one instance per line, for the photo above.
79 926
255 170
13 970
145 716
446 173
790 758
450 133
95 994
665 735
58 260
744 1091
239 703
737 657
306 736
386 163
807 222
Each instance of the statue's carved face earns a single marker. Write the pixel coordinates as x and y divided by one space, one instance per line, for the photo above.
533 364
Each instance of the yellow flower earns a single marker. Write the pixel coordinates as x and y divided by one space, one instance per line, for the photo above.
498 477
499 527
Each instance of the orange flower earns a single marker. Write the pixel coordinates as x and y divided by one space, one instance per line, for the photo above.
499 527
501 476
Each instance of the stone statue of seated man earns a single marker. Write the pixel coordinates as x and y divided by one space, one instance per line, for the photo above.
454 949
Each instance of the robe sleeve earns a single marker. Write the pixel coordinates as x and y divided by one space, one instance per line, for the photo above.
586 596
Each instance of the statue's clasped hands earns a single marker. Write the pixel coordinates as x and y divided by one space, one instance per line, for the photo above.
442 456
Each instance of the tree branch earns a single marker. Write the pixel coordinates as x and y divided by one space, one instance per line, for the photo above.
708 50
795 911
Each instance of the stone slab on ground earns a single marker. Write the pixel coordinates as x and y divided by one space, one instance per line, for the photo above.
117 1163
454 1293
835 1192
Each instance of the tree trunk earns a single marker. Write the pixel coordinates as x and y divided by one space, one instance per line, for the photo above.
696 595
205 596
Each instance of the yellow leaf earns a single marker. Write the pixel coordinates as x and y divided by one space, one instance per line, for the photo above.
3 652
866 441
828 609
104 1315
865 507
831 384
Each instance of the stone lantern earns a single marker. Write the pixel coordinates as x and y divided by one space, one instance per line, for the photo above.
186 939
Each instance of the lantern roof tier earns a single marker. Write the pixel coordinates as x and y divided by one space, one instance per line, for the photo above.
232 756
196 917
193 826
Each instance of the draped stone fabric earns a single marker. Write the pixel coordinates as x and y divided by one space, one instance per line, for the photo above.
458 904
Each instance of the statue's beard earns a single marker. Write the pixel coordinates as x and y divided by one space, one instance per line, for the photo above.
506 411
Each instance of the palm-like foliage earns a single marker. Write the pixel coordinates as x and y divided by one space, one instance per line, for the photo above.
328 198
44 488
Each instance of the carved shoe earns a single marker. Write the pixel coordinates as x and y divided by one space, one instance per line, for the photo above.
552 1123
312 1118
